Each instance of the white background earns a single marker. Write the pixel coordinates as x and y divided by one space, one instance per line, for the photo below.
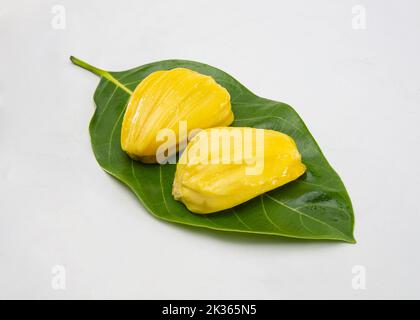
357 90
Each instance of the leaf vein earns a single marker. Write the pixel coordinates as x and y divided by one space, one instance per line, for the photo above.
306 215
240 220
112 134
161 188
266 214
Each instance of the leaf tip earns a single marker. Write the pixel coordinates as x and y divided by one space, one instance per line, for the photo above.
351 240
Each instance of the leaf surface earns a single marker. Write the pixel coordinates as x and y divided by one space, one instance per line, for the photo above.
315 206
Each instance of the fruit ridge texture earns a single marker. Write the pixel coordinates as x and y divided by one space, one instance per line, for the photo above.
211 187
162 100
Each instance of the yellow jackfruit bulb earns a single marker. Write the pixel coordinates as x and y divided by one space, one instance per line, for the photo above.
163 100
224 167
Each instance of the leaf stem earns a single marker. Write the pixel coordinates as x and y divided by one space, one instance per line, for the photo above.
99 72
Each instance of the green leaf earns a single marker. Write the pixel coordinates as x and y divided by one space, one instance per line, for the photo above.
315 206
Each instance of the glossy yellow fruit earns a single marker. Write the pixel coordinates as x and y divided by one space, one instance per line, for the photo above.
162 100
212 185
